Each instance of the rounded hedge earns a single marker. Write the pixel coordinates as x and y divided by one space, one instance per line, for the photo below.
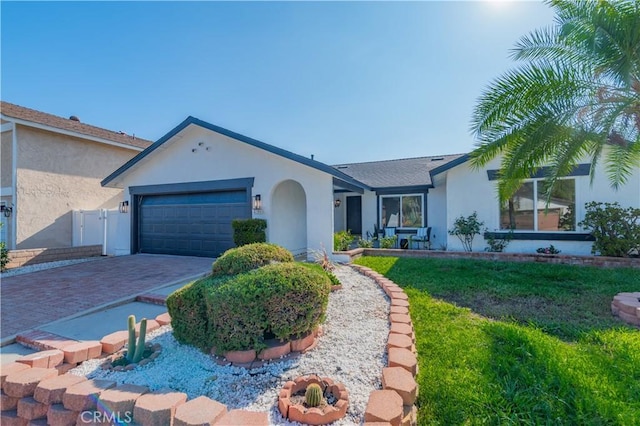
188 312
251 256
286 300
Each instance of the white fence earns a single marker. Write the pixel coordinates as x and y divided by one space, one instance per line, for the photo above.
92 227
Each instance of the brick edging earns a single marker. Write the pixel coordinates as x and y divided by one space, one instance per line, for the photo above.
564 259
402 363
37 387
26 257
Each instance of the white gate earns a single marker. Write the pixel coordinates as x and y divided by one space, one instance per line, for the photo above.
92 227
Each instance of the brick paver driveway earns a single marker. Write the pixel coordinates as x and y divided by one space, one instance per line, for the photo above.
35 299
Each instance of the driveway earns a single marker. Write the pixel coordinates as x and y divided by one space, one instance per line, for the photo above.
32 300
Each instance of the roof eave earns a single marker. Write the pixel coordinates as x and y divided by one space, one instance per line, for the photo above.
53 129
237 136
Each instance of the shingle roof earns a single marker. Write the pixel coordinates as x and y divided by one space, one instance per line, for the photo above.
16 111
405 172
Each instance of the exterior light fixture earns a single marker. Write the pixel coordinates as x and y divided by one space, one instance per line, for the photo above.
6 210
257 202
337 203
124 207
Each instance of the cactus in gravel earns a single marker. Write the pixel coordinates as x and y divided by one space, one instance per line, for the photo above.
131 345
313 395
135 351
137 356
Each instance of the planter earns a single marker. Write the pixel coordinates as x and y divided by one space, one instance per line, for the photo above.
333 407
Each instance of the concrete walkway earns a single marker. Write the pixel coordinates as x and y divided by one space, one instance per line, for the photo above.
38 299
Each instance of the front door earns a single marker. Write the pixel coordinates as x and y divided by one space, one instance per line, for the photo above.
354 215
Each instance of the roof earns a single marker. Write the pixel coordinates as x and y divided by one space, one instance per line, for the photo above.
401 173
342 178
18 112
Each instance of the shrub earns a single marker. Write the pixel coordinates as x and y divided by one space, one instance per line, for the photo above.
616 229
188 312
342 240
286 300
362 243
466 228
548 250
249 231
4 254
249 257
317 267
388 242
497 245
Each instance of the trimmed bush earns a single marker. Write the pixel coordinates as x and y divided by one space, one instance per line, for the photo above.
297 298
251 256
249 231
316 267
285 300
188 312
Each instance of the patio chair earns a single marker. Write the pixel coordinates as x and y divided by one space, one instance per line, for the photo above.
423 235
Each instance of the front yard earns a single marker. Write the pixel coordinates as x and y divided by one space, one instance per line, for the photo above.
519 343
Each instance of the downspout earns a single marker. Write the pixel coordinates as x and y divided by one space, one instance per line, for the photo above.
14 185
105 213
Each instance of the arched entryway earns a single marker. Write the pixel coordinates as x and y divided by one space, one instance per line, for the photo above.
287 226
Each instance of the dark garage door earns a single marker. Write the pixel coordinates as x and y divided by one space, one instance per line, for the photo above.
190 224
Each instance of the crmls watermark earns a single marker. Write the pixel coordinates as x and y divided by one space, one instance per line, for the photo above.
112 418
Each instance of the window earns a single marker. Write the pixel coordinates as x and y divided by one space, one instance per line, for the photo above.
527 209
402 211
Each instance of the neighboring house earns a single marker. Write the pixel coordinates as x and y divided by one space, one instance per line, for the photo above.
186 188
50 167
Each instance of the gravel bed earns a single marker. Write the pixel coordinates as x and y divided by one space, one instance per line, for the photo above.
351 350
42 266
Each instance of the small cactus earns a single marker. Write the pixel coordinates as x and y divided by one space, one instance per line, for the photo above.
313 395
135 351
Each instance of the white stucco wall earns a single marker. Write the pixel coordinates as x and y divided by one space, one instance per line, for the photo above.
219 157
469 190
437 216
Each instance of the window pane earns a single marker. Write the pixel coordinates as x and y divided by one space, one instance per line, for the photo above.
560 214
412 211
517 213
391 211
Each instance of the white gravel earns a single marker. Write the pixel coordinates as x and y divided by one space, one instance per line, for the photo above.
42 266
351 350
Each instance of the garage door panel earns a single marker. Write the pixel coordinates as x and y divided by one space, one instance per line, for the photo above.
190 224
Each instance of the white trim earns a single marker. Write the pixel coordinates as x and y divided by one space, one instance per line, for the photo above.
6 191
6 127
70 133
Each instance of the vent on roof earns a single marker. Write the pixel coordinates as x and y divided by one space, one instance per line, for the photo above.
437 159
74 118
343 167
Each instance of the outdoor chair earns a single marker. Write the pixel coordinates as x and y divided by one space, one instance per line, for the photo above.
423 235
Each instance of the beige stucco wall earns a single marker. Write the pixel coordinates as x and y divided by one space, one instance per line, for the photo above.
5 159
57 174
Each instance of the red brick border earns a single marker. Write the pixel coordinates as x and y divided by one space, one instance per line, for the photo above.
26 257
564 259
395 403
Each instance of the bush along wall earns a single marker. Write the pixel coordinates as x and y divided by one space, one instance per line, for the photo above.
249 231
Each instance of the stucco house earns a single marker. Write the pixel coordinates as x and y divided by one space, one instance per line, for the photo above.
50 167
185 189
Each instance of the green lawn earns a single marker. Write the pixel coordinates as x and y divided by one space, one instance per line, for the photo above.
519 343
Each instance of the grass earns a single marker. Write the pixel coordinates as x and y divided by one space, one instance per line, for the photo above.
519 343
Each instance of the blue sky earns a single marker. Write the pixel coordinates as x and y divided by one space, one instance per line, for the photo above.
346 81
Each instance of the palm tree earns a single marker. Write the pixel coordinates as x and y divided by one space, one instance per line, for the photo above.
576 94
